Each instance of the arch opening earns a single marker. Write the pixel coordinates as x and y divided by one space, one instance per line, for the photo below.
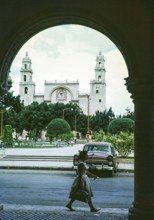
61 33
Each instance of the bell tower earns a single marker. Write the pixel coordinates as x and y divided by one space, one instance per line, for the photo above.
98 87
99 69
26 85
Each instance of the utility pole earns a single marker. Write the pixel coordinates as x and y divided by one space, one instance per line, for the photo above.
1 124
75 126
88 118
63 116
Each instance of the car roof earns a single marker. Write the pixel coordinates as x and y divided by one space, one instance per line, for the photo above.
98 143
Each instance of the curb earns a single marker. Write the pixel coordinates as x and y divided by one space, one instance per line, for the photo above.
56 168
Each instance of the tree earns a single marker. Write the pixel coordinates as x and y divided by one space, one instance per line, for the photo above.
102 136
71 110
81 124
8 137
101 120
129 114
36 117
98 136
14 119
32 134
11 101
121 124
66 136
57 127
124 143
12 108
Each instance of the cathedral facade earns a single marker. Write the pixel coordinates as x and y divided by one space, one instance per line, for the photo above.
65 91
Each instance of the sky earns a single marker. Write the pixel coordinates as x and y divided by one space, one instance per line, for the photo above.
68 52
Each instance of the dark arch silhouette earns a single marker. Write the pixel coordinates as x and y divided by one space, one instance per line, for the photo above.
129 24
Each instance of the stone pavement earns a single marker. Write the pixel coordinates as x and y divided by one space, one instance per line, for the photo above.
60 213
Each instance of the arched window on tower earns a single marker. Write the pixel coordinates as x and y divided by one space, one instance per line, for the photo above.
100 64
25 66
100 100
24 78
26 90
99 78
97 91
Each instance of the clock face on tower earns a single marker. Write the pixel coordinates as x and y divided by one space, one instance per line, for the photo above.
61 94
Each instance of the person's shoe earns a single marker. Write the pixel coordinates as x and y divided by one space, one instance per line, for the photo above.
70 207
95 210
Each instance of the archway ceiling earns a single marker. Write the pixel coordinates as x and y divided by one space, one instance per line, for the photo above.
126 23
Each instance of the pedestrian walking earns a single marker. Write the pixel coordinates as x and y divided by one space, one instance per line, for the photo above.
81 189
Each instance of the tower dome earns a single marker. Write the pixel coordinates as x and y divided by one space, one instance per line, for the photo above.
26 58
26 63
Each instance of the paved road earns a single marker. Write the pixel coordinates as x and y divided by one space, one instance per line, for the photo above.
51 188
41 195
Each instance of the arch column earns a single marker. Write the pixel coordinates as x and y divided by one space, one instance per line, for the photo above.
142 90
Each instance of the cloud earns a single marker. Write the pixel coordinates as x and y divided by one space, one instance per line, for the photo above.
117 95
68 52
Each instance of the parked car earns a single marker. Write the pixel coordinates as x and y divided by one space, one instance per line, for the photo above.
101 156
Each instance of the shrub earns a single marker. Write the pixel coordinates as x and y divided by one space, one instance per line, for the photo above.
57 127
121 124
123 141
8 137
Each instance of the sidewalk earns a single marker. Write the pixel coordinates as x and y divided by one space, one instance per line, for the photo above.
22 212
62 151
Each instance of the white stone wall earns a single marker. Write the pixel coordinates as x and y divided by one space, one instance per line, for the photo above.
39 98
65 91
97 100
28 97
83 103
71 90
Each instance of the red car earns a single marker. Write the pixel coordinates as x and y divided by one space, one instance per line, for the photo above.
101 156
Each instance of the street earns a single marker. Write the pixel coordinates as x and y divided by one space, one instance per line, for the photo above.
51 188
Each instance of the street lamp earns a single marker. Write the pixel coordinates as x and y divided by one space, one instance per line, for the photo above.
88 118
64 111
75 125
75 129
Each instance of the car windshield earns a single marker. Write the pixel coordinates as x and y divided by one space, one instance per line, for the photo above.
98 148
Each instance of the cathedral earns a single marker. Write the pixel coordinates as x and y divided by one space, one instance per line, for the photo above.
65 91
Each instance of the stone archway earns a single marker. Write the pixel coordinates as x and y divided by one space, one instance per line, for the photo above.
129 25
64 89
48 19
